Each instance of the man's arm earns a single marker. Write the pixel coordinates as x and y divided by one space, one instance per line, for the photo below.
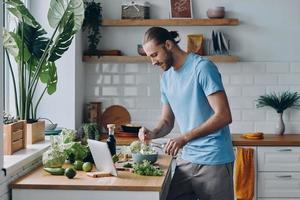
221 117
164 126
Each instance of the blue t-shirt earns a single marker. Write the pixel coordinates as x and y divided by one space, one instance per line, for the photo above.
186 91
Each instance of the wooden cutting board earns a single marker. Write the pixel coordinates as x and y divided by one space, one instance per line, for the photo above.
115 114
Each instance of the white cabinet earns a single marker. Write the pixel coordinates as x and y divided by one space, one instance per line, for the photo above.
279 159
278 174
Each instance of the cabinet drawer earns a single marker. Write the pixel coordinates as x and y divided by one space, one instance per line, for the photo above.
278 158
281 184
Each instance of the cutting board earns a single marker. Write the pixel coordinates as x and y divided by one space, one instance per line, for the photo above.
115 114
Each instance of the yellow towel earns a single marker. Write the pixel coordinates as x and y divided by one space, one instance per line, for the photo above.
244 174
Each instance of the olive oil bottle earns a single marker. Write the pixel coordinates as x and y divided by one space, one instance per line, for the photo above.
111 141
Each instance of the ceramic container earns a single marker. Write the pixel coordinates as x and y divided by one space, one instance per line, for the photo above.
216 12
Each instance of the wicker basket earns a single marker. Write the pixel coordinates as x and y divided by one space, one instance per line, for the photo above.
135 10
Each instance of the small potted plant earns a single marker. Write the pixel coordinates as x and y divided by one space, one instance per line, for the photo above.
91 23
91 130
14 134
280 102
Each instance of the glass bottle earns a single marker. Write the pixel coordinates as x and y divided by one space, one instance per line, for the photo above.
111 141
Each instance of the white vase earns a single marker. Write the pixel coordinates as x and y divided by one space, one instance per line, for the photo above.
280 125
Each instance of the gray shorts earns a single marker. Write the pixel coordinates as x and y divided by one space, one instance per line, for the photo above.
203 182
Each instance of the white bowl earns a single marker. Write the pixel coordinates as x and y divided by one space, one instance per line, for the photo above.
50 126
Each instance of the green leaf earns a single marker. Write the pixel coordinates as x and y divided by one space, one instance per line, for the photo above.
52 83
10 43
13 44
18 9
63 40
33 38
49 76
60 11
279 101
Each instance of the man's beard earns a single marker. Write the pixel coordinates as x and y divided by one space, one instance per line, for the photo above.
168 61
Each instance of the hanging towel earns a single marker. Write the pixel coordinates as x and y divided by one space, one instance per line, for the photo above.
244 174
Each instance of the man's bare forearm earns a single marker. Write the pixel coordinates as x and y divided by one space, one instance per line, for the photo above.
163 128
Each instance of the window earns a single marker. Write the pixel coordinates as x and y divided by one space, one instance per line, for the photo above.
6 93
2 81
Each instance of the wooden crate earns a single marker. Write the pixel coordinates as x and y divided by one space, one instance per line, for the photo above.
14 137
35 132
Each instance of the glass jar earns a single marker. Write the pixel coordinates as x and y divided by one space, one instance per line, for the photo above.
54 156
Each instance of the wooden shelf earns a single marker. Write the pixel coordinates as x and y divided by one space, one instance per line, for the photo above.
145 59
170 22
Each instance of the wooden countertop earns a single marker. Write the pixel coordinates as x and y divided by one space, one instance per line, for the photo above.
238 140
269 140
125 181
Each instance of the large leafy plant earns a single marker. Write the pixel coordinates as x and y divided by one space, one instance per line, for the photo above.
35 53
279 101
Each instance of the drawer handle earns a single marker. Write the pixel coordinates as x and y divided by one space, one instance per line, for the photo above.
284 176
284 150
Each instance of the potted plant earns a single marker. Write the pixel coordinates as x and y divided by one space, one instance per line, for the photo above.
36 54
91 23
91 130
14 134
280 102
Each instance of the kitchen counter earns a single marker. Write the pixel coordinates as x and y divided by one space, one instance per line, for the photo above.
238 140
269 140
40 185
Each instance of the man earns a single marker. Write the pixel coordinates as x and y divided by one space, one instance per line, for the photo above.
193 93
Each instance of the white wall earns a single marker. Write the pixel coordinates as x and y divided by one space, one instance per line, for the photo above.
79 81
63 107
268 30
266 41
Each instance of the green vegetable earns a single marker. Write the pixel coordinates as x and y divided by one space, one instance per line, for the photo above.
87 166
78 164
70 172
69 135
76 150
127 165
145 168
135 146
147 150
139 147
55 171
115 158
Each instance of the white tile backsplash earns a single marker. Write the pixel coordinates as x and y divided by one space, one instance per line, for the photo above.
295 67
136 86
278 67
266 79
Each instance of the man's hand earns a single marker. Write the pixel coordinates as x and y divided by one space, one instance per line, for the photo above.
173 145
145 135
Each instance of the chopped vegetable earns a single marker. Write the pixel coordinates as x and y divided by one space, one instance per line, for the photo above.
138 147
127 165
145 168
135 146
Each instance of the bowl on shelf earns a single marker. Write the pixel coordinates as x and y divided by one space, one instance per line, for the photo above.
130 128
139 158
140 50
216 12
